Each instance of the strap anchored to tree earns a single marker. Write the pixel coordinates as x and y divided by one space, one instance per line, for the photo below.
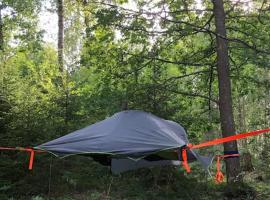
30 150
228 139
219 177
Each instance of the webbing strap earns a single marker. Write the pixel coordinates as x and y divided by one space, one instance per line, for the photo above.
228 139
30 150
219 177
32 155
185 160
21 149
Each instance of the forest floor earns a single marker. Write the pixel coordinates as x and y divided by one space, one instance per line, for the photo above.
81 179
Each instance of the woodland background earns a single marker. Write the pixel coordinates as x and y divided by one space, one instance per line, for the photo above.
157 56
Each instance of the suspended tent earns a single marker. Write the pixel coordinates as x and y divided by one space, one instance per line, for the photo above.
134 139
129 140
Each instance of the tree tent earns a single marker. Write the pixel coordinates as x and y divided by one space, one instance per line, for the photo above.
128 140
133 139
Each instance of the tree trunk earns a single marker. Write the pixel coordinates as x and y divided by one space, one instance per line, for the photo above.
225 99
86 19
60 13
65 75
1 30
267 98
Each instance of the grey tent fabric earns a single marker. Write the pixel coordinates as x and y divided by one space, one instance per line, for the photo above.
122 165
129 134
132 133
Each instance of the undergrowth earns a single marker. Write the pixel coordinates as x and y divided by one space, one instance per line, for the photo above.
78 178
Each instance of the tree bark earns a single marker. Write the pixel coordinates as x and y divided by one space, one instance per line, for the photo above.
86 19
60 13
225 99
1 30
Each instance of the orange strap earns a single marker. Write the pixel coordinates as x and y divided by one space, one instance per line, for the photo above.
219 177
30 150
21 149
185 160
32 155
228 139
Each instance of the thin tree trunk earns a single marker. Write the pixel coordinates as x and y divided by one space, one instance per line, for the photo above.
60 12
65 75
86 19
225 99
267 98
1 30
246 158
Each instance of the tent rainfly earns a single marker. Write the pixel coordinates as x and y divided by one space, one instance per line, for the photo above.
129 140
